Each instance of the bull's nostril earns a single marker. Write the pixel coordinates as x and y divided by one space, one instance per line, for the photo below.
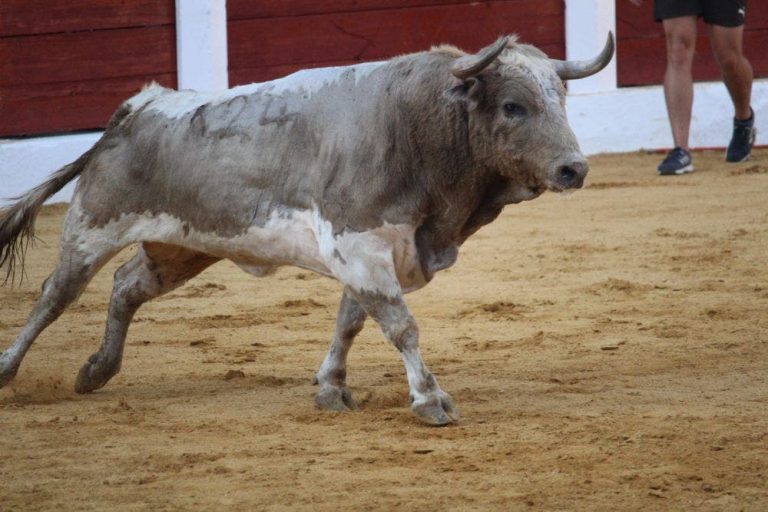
567 176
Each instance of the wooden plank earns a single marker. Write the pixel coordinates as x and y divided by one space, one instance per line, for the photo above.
641 48
757 16
248 9
375 35
25 17
68 106
642 61
637 21
76 56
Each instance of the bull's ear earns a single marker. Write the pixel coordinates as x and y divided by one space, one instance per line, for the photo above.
467 91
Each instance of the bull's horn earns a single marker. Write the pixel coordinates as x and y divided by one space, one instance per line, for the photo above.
471 65
573 69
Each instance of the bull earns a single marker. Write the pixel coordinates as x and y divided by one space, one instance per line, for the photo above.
373 174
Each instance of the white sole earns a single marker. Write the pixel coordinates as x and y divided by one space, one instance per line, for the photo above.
688 168
739 161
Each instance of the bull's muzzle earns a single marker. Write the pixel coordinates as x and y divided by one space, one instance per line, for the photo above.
571 175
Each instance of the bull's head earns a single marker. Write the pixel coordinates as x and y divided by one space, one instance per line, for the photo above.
515 101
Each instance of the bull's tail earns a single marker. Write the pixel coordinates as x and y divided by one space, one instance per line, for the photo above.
17 221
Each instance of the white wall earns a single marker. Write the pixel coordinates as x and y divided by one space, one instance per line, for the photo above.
587 24
635 118
201 44
606 119
25 163
201 56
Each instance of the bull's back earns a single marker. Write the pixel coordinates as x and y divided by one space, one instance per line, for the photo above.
225 161
210 165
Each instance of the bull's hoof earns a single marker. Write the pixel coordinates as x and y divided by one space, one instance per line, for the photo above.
7 371
332 398
7 376
437 410
94 375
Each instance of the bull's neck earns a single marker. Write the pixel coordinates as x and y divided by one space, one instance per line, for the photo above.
437 149
438 146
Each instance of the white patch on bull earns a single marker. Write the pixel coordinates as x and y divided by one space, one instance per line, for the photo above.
312 80
308 81
415 370
366 261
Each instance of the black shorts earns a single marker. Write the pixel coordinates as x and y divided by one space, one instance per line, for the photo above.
725 13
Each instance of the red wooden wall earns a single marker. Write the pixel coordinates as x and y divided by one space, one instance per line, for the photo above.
67 64
641 49
271 38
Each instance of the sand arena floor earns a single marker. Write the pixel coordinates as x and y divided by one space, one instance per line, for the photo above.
608 351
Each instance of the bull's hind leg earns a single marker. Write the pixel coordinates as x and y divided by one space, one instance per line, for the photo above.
81 257
332 376
156 269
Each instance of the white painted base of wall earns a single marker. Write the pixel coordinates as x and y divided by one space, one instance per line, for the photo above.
25 163
627 119
635 118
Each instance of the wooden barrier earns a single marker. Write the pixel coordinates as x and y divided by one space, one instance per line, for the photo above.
66 65
268 39
641 49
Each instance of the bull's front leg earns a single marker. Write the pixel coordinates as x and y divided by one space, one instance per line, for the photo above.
430 403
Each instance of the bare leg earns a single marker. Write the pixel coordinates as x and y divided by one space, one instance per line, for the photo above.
678 79
430 403
333 393
156 269
736 69
63 286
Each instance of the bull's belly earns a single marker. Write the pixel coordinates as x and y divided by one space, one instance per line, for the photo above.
366 260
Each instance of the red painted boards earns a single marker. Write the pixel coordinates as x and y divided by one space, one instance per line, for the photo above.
641 49
66 65
269 39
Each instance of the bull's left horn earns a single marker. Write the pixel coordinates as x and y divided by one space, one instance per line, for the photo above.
471 65
573 69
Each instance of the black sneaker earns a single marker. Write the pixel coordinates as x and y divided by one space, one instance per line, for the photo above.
678 161
743 138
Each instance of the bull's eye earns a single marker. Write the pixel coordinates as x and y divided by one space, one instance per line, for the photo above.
514 109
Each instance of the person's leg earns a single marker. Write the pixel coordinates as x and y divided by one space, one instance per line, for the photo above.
680 33
726 31
736 69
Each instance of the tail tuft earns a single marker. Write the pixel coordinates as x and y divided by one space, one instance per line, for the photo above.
17 231
17 222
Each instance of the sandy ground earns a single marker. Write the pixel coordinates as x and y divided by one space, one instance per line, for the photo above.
608 351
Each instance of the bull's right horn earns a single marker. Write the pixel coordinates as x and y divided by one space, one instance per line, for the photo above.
471 65
573 69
